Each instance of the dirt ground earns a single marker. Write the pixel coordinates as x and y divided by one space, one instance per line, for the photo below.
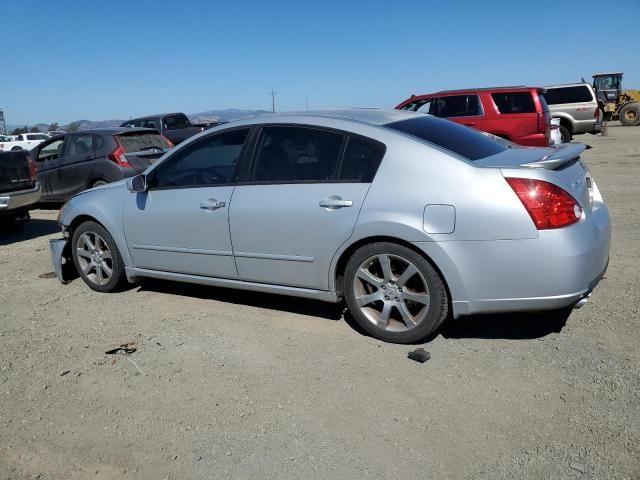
227 384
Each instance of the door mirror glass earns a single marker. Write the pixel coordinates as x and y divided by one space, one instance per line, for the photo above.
137 184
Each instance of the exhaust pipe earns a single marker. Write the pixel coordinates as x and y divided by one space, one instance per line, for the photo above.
582 302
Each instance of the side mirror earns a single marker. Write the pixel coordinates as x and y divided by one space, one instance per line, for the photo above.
137 184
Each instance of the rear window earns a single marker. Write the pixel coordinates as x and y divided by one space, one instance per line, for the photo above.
142 141
514 102
578 94
178 120
463 141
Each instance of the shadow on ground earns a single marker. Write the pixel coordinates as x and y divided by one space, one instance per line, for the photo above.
512 326
34 228
302 306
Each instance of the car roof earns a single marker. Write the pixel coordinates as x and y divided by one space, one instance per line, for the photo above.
561 85
483 89
112 130
371 116
146 117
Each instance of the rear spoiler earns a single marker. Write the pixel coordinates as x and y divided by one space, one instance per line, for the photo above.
564 155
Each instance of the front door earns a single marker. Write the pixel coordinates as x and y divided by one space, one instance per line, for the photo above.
49 157
300 204
181 224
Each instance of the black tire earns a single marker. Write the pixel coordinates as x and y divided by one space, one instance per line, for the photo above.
565 134
117 277
630 114
436 311
16 149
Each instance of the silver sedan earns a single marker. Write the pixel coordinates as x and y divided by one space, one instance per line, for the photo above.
410 218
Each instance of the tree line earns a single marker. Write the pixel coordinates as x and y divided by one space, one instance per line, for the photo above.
54 127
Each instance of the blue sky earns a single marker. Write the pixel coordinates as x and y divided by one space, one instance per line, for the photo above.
97 60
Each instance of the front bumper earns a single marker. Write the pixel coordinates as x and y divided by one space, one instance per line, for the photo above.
12 201
61 259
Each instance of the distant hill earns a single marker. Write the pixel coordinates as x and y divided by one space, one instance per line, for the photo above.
226 115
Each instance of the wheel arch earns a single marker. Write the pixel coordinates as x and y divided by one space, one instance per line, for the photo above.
336 281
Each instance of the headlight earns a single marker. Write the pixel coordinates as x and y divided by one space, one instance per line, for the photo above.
61 211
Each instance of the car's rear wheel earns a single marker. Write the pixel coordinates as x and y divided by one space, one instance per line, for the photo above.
394 293
97 258
565 134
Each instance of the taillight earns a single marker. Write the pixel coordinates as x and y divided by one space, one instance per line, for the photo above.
167 141
596 114
543 123
118 156
33 168
549 205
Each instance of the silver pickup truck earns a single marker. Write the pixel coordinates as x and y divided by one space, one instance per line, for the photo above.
577 108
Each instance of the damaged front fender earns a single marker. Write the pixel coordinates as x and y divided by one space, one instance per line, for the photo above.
61 260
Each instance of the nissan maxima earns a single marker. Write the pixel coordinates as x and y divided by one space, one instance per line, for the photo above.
410 218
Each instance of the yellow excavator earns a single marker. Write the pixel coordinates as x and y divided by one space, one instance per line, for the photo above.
614 102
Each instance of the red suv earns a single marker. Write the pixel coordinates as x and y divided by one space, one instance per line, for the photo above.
519 114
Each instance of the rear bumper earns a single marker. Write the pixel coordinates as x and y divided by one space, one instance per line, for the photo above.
61 259
12 201
553 271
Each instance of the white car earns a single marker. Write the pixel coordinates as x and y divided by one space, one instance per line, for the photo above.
556 136
23 141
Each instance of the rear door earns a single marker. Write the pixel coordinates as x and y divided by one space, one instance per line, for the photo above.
304 194
78 168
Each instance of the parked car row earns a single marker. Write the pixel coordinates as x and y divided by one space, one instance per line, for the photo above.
408 217
23 141
174 126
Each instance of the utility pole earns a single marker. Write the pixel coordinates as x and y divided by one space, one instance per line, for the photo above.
273 101
306 102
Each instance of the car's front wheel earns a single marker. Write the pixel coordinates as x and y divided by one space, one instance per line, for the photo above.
394 293
97 258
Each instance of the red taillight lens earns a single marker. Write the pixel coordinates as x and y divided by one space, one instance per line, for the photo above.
33 168
118 156
596 114
549 205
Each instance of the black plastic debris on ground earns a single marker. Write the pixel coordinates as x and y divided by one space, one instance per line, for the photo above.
124 349
419 355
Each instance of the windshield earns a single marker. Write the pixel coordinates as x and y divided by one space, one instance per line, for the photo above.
143 141
463 141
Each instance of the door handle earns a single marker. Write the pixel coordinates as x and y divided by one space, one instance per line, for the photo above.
471 124
335 203
212 204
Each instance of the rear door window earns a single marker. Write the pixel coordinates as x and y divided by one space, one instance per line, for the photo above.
577 94
297 154
463 141
361 160
456 106
81 145
177 120
514 102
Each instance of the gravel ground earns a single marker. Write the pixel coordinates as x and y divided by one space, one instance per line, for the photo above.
227 384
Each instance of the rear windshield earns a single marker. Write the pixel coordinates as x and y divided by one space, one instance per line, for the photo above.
142 141
178 120
578 94
464 141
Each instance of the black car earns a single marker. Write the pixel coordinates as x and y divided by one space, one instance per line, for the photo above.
175 126
70 163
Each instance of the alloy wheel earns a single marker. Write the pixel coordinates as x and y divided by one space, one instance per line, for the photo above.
391 292
94 258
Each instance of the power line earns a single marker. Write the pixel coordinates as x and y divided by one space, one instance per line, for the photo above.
273 101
